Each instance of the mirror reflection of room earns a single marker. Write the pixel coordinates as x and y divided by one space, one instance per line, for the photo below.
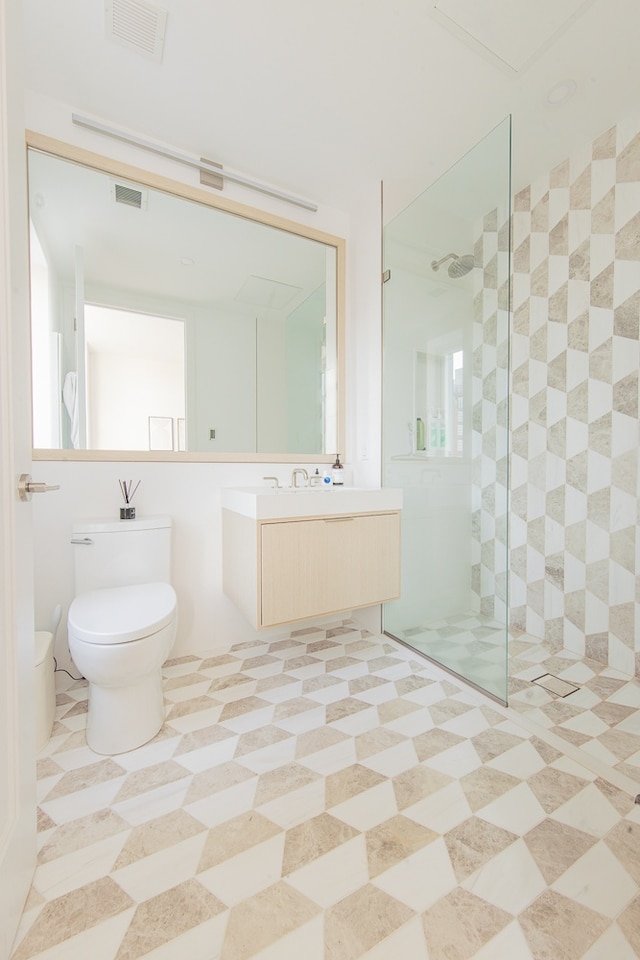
164 324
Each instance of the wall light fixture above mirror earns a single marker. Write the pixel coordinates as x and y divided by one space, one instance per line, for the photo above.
154 299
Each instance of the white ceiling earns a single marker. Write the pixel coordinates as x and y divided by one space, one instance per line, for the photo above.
319 96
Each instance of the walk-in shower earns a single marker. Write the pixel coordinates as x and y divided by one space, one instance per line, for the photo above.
445 402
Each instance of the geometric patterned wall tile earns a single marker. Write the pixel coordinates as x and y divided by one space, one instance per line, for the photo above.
623 549
578 332
602 289
576 401
598 542
580 261
603 213
604 146
598 476
627 245
622 623
624 473
558 304
626 318
628 162
580 194
600 435
625 396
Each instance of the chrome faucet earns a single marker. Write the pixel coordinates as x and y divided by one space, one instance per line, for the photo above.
305 477
276 482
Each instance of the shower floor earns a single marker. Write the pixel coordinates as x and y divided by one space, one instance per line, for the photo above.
602 716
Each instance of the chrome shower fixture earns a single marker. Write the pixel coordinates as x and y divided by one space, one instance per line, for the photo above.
459 266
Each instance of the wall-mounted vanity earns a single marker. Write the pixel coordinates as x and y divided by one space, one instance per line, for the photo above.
299 553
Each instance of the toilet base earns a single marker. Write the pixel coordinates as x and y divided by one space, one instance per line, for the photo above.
123 718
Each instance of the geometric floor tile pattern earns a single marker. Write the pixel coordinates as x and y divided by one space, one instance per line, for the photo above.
602 717
329 795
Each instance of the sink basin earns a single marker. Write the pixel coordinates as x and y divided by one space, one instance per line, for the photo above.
269 503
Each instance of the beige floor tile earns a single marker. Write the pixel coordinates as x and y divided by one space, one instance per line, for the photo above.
422 878
558 928
361 921
66 874
225 804
520 761
393 761
589 810
86 776
473 843
435 741
100 942
462 814
234 836
284 779
307 941
556 847
247 873
598 880
461 923
157 872
457 761
271 757
510 942
166 916
157 835
66 916
496 881
554 788
393 841
295 807
335 875
443 810
484 784
82 833
332 759
416 783
612 943
262 920
407 941
518 810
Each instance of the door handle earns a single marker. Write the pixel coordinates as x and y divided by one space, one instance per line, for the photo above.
27 487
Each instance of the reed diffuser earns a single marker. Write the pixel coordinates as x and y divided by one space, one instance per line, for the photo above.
128 492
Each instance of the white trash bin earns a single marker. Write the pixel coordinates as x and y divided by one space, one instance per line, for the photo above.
45 692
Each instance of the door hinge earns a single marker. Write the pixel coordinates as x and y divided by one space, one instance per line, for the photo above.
386 276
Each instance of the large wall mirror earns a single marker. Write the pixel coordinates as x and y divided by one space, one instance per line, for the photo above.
168 323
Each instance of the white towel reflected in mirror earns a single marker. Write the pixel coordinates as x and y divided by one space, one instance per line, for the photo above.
70 398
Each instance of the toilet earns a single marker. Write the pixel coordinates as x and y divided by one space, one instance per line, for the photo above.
122 626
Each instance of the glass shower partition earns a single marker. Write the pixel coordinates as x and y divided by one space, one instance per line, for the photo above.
445 413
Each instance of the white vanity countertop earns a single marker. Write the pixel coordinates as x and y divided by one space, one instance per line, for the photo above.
269 503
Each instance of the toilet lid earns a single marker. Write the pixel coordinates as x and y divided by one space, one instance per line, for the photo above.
120 614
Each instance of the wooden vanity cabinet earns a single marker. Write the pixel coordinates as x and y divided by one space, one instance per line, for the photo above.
280 571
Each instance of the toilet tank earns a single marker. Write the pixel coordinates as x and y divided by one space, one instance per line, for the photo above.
117 553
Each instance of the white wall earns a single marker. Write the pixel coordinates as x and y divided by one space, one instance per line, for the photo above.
189 493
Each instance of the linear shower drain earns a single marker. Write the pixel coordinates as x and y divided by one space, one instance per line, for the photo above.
561 688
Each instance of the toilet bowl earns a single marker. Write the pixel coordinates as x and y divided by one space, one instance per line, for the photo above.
121 633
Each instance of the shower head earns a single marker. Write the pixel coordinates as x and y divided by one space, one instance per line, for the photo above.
459 266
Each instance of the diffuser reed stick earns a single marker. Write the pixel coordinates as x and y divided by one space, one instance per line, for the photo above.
128 492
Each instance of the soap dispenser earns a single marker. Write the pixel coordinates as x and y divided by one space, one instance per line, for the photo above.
337 472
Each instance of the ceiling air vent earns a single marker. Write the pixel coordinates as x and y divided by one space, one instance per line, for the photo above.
129 196
137 25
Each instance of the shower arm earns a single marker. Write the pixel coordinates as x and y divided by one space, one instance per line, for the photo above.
436 264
